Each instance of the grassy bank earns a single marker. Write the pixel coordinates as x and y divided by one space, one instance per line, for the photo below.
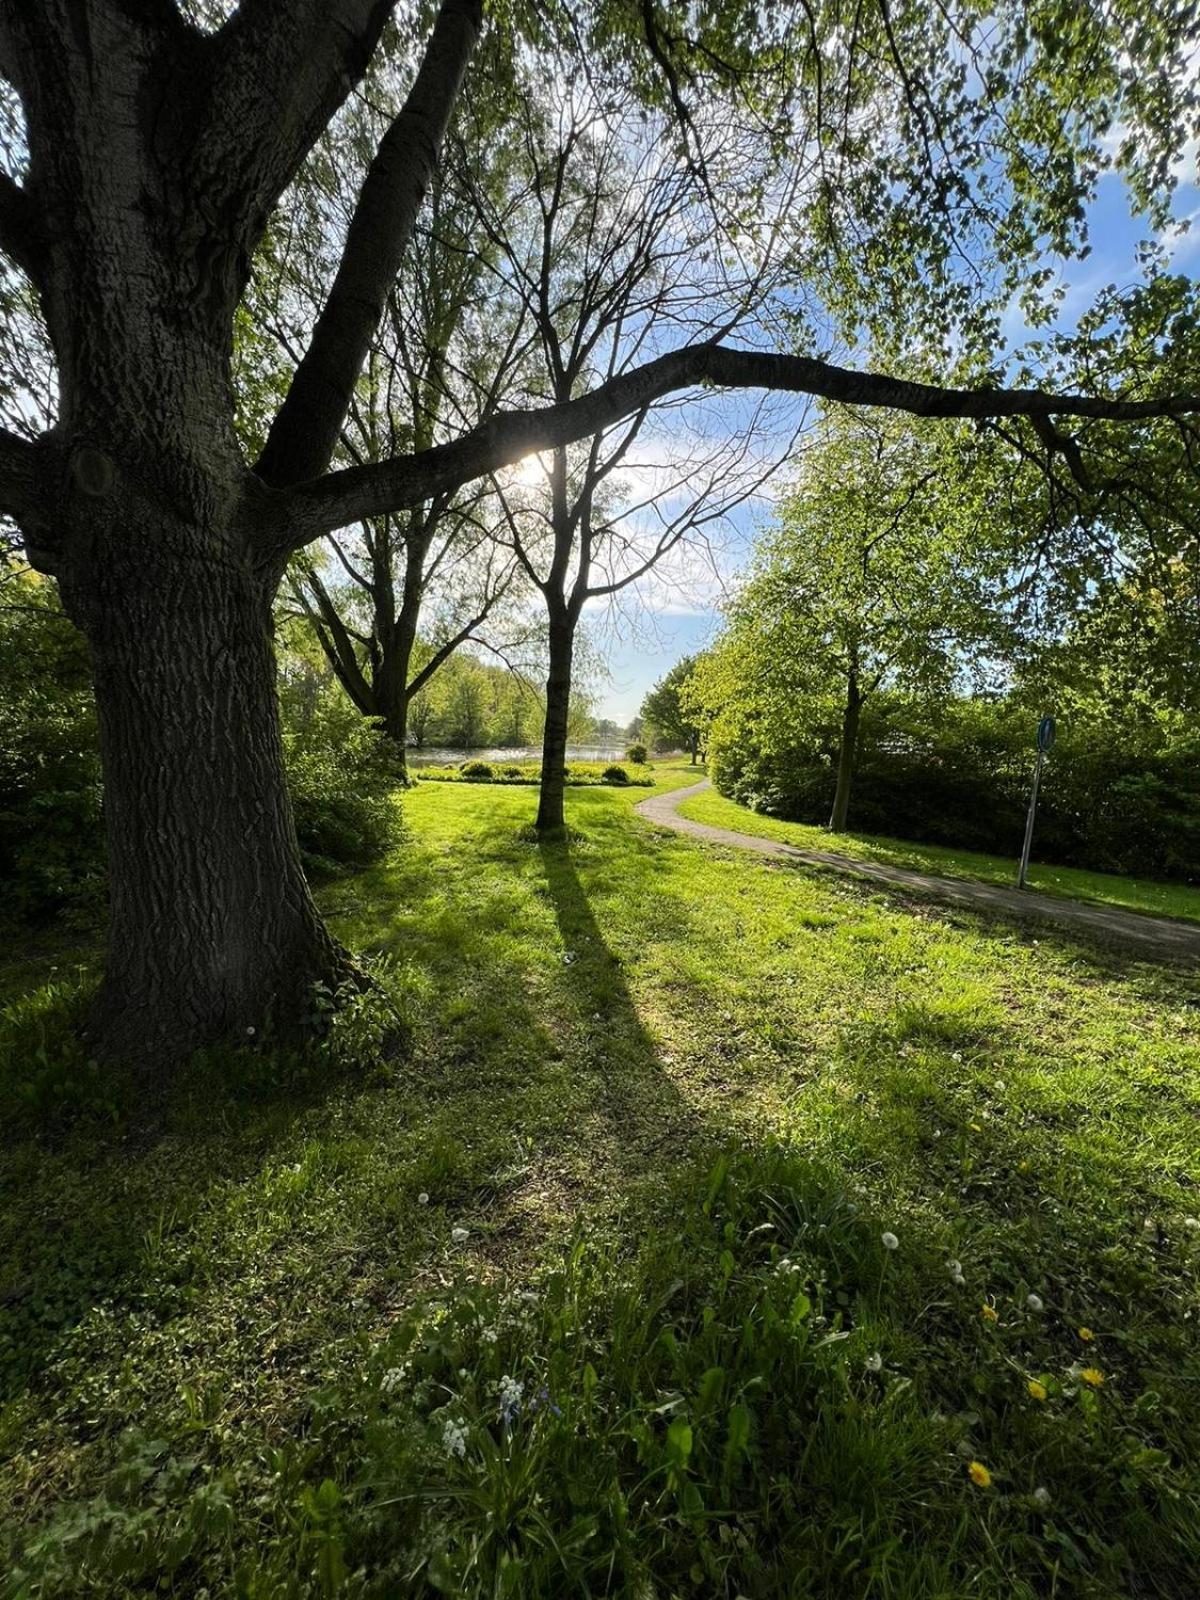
1072 883
688 1250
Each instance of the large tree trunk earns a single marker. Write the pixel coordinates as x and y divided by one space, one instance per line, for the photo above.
847 755
551 817
213 932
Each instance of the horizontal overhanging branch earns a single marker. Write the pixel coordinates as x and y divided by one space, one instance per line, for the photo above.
304 513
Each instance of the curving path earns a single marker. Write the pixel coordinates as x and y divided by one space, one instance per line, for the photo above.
1157 936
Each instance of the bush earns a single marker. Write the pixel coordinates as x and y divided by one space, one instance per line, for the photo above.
637 754
52 858
478 771
341 776
512 772
614 775
958 774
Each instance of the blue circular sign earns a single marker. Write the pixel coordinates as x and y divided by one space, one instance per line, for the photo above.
1045 734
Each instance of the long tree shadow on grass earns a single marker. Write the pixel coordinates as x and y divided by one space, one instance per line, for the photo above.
317 1185
635 1095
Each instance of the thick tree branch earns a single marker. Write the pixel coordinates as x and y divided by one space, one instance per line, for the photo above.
343 497
306 428
335 641
21 228
279 70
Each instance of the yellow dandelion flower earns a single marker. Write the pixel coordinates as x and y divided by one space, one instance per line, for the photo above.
1037 1390
979 1475
1093 1376
1022 1166
989 1313
1086 1335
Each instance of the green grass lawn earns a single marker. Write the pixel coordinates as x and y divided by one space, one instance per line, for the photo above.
589 1290
1073 883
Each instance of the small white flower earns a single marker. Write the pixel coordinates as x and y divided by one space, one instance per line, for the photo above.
460 1235
1035 1302
954 1268
489 1336
874 1362
1192 1224
890 1242
392 1379
422 1198
454 1437
568 957
1041 1497
510 1391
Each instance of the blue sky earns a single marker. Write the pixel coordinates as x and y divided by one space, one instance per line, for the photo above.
685 618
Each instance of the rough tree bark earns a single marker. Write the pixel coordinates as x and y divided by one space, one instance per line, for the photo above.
156 154
847 753
212 927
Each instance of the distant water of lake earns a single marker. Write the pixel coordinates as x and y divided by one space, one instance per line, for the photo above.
437 756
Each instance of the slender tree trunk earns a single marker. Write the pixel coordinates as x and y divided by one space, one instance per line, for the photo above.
213 932
847 754
391 691
551 817
693 745
399 641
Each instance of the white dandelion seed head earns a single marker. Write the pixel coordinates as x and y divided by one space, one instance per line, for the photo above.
1041 1496
890 1241
460 1235
422 1198
1035 1302
874 1362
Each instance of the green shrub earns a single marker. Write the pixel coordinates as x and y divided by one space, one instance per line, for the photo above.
52 858
511 771
341 776
614 774
958 774
478 771
637 754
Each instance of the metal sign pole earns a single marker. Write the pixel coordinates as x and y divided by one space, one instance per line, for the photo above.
1046 734
1037 778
